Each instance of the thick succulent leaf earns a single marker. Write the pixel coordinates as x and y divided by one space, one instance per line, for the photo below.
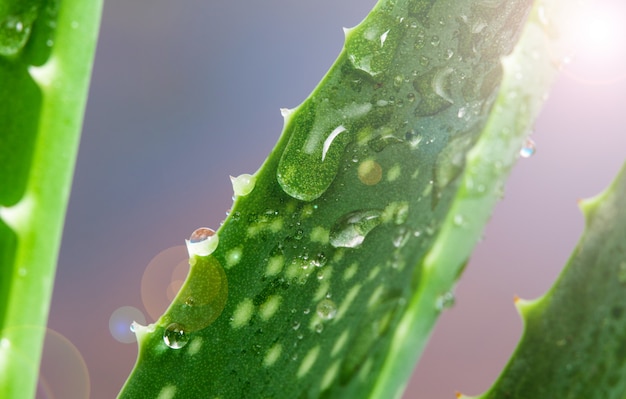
46 53
330 273
574 341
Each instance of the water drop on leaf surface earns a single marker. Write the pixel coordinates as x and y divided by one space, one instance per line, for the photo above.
326 309
202 242
174 336
529 149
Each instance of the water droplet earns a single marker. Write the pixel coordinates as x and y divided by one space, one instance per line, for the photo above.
298 234
401 213
371 45
401 238
350 230
15 31
202 242
435 91
424 61
295 325
174 336
319 327
410 97
445 301
326 309
379 143
462 112
320 260
312 157
449 53
306 311
528 149
413 138
243 184
435 41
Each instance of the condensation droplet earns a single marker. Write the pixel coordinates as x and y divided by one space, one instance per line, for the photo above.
174 336
445 301
528 149
295 325
350 230
202 242
326 309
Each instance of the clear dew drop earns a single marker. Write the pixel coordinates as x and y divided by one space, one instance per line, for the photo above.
445 301
295 325
174 336
528 149
319 327
326 309
350 231
202 242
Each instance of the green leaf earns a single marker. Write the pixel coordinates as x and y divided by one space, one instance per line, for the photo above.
574 341
46 53
331 271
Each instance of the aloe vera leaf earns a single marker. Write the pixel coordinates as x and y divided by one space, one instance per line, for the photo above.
574 340
46 54
330 273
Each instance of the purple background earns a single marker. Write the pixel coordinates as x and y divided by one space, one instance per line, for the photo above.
185 93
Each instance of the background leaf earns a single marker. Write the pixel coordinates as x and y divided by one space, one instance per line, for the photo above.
573 344
46 53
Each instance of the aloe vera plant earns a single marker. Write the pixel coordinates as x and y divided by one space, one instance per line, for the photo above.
341 251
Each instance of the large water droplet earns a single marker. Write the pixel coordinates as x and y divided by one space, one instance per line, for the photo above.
326 309
528 149
434 88
15 31
243 184
311 159
371 45
202 242
350 230
174 336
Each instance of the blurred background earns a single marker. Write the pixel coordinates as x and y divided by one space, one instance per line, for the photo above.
186 93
